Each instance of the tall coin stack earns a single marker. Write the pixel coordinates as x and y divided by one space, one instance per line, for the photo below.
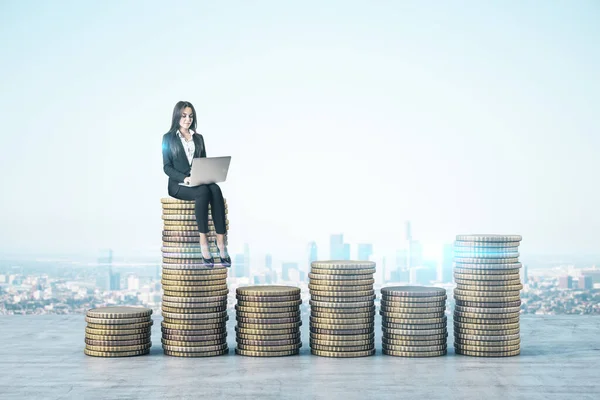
414 323
487 295
194 304
342 308
268 321
118 331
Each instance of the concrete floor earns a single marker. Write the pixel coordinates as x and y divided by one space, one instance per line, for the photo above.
41 357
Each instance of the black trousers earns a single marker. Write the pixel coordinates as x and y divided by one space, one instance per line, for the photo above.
204 195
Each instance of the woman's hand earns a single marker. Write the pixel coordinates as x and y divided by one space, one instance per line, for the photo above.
186 180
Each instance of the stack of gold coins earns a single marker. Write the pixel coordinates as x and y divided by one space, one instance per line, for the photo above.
414 323
118 331
181 239
487 295
342 308
194 309
194 304
268 321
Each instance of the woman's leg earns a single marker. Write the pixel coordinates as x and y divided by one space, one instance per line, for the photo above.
201 196
217 206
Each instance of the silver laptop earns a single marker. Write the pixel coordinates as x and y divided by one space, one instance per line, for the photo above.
207 170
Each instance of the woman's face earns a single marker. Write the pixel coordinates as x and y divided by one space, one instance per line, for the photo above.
187 117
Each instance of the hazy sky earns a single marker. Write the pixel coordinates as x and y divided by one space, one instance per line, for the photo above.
340 116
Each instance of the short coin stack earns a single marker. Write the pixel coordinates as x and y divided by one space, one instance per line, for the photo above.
194 305
268 321
118 331
342 308
487 295
414 323
181 239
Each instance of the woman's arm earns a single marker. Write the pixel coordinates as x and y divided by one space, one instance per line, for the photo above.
168 162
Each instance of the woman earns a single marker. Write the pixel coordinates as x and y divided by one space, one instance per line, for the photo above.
179 147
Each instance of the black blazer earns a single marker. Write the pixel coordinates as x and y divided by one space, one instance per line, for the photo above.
177 167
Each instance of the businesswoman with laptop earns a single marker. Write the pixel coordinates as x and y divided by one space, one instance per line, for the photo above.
179 147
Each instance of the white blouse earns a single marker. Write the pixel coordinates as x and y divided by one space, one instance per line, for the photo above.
188 145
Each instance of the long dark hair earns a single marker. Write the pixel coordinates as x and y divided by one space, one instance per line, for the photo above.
172 134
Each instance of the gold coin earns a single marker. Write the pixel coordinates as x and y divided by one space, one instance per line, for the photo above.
268 299
172 200
266 310
337 337
197 316
394 332
392 325
109 343
322 271
221 338
356 282
479 304
200 323
413 291
339 277
341 332
365 293
342 321
117 332
266 332
477 272
191 309
108 349
342 343
333 299
487 310
194 344
194 260
194 349
251 353
497 284
197 353
191 326
353 288
340 305
266 315
196 288
127 327
492 261
260 321
393 316
487 288
120 312
414 349
486 338
222 330
408 302
479 342
473 353
413 310
117 338
192 295
485 332
479 321
414 343
414 354
289 325
197 284
342 316
487 277
343 311
268 290
487 294
290 336
269 305
342 264
288 347
342 354
204 277
116 321
191 268
341 327
342 348
268 343
486 326
487 299
115 353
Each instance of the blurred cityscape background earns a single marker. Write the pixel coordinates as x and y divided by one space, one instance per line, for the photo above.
39 285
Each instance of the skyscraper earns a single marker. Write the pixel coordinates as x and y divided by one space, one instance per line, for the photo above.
365 251
338 250
312 254
269 276
445 270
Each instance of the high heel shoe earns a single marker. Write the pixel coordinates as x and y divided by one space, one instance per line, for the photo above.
208 262
226 261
